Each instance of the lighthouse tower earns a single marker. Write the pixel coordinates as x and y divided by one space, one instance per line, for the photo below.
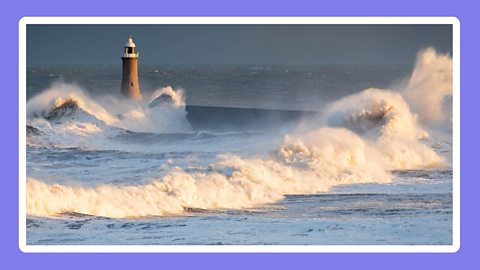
130 87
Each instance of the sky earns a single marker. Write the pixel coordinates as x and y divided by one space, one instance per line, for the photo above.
235 44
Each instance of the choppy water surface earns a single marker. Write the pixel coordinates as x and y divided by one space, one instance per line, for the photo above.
373 167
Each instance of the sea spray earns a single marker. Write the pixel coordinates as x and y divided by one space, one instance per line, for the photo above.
168 96
429 88
374 112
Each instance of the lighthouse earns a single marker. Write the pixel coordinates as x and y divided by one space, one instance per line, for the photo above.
130 87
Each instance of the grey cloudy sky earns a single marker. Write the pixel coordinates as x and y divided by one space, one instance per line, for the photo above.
236 44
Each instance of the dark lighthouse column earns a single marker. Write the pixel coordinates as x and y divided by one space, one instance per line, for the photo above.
130 87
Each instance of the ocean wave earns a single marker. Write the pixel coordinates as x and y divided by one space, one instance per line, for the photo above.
374 112
360 138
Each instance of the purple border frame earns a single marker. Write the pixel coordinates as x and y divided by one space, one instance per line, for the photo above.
13 258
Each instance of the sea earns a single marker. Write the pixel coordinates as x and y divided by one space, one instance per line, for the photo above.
371 164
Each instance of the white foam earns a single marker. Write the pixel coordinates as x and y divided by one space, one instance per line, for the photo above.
429 89
359 139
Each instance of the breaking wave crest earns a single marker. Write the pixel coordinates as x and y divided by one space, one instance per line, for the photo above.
375 112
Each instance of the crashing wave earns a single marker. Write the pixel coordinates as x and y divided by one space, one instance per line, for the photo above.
63 108
304 164
167 96
374 112
72 111
362 138
64 99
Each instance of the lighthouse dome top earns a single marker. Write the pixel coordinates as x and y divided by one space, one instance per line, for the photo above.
130 43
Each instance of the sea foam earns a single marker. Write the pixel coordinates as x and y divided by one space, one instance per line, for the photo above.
360 138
